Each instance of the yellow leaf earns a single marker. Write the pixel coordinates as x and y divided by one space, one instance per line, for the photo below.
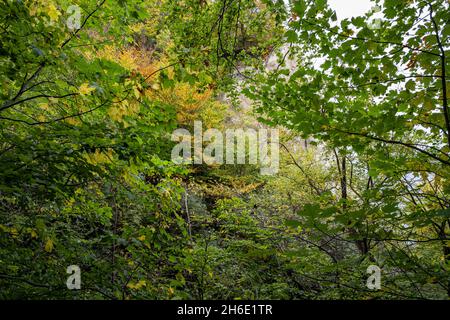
141 238
98 157
115 113
137 94
14 233
43 106
33 10
53 13
138 285
73 121
49 245
33 234
85 89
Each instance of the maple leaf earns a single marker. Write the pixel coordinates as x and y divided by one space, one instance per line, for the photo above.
53 13
85 89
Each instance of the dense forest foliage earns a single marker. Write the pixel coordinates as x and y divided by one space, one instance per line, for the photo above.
92 90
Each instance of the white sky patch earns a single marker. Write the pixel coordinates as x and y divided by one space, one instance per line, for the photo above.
350 8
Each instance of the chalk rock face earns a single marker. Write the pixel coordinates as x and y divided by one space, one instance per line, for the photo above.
273 61
241 115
